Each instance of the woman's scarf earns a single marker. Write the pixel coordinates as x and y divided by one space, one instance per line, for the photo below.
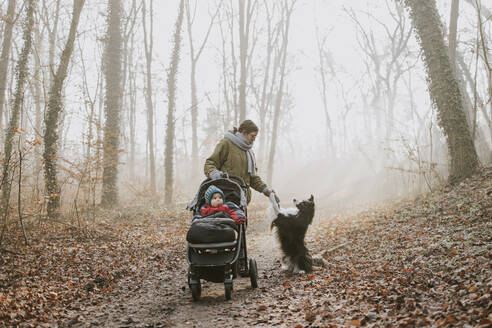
240 140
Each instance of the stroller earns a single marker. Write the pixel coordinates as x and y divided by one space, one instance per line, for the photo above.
219 254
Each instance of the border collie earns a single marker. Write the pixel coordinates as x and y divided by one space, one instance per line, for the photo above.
292 225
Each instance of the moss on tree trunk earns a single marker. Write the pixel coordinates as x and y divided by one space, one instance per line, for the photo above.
444 89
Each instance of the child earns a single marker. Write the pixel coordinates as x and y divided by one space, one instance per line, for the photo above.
214 198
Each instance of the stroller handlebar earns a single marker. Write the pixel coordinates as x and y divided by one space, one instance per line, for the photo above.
235 177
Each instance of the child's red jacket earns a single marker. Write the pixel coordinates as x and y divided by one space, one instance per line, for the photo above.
207 210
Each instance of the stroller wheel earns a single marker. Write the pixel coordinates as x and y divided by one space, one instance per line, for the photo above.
253 273
228 290
196 291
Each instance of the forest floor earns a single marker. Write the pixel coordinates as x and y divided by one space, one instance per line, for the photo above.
425 262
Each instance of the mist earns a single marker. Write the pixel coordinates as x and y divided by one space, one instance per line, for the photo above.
124 122
354 123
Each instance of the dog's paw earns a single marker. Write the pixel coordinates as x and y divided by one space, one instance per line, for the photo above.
284 267
297 271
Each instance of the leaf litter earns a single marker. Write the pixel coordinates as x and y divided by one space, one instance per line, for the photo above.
422 262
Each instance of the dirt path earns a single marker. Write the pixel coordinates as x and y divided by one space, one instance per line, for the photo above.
164 300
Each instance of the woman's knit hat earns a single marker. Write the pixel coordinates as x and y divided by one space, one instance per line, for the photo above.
211 191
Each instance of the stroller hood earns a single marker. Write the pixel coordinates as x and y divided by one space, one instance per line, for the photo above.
232 191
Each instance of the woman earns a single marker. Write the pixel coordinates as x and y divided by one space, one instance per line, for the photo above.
234 155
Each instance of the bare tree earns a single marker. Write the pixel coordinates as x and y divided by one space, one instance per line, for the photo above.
230 75
195 56
482 10
52 114
92 169
51 24
444 89
171 90
21 74
37 92
287 9
325 68
269 79
246 9
229 64
387 64
128 77
148 45
487 62
453 25
5 55
132 102
112 69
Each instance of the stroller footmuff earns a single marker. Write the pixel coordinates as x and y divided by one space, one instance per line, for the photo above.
212 229
216 243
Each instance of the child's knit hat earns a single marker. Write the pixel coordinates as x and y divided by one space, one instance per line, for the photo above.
211 191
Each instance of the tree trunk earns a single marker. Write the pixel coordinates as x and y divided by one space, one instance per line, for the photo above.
54 108
278 101
5 56
444 89
265 100
128 32
22 74
52 41
148 43
132 116
478 102
485 55
37 100
243 54
171 89
112 71
322 71
453 26
194 101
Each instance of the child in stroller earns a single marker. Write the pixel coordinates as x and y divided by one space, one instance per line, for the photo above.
216 239
214 203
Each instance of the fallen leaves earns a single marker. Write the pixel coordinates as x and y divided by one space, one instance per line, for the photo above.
417 263
425 262
261 308
66 269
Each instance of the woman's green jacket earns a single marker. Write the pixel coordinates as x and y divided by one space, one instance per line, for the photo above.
229 158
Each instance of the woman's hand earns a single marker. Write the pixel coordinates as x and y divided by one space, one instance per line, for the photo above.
269 191
214 175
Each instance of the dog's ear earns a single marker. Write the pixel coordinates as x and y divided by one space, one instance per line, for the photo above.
311 199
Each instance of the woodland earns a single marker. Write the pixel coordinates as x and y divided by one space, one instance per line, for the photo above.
380 109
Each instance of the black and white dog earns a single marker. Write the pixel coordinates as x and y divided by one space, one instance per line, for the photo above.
292 225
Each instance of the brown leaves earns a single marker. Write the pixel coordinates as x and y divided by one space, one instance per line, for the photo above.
310 316
396 264
68 269
422 263
261 308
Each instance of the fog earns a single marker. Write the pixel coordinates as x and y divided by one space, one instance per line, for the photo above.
385 141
